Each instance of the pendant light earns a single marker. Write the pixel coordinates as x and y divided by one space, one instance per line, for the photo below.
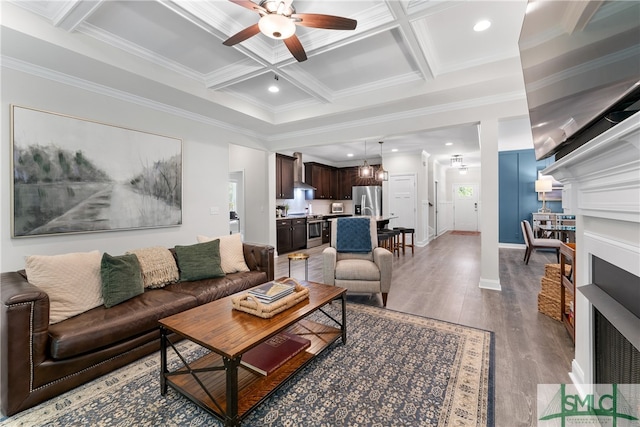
365 171
381 174
456 161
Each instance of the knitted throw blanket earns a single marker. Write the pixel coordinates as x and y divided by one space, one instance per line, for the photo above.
158 266
353 235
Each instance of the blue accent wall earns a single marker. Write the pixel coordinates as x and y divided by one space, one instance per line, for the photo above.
517 199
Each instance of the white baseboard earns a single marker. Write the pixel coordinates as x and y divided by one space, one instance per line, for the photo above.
577 377
490 284
511 246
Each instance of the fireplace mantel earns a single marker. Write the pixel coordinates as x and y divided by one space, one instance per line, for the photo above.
602 178
601 182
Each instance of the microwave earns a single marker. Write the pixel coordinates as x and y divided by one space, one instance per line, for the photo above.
337 208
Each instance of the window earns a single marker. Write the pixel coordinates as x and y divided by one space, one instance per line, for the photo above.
465 192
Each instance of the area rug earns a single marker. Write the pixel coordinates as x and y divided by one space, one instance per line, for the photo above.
395 370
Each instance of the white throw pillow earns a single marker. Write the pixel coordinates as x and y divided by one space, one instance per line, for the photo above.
72 282
231 253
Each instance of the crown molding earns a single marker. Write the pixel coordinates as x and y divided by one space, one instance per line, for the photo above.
403 115
58 77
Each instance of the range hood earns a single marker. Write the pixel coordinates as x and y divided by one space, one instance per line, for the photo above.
297 174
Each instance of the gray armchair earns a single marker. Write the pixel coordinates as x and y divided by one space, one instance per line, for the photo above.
367 272
533 243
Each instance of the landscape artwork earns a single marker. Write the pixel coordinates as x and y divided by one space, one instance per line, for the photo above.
72 175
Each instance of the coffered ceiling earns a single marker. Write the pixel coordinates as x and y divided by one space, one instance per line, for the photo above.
395 78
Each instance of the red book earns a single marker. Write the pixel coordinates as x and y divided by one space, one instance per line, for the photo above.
268 356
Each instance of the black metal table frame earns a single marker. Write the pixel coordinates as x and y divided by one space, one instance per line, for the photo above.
230 366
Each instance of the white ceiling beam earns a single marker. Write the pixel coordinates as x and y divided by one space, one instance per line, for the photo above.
73 13
411 41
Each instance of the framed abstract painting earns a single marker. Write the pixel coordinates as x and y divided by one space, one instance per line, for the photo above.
73 175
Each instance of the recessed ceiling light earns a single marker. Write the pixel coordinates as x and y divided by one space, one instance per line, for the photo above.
274 87
448 143
394 150
482 25
350 155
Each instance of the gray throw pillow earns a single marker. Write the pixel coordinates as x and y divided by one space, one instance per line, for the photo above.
121 278
199 261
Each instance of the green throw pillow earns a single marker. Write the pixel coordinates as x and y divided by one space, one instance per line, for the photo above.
199 261
121 278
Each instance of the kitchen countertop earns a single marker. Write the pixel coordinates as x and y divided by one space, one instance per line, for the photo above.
316 216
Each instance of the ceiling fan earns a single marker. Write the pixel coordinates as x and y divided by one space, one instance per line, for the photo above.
278 20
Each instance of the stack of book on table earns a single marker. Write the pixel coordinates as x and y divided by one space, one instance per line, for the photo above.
271 354
271 291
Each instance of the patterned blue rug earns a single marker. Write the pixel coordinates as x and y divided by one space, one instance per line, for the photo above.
396 369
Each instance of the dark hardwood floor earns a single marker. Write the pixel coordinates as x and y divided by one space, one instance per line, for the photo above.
441 281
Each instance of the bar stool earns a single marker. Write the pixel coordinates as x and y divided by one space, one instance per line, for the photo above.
393 242
384 239
298 256
405 231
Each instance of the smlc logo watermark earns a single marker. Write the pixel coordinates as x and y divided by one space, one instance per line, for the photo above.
606 405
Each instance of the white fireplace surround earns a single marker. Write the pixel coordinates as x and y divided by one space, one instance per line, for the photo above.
602 188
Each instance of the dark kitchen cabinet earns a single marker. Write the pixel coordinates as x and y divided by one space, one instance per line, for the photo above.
291 234
346 181
298 234
326 231
284 176
323 178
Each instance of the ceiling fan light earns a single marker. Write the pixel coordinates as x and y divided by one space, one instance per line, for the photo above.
276 26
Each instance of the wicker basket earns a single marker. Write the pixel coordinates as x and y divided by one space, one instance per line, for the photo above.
550 306
252 305
552 271
551 287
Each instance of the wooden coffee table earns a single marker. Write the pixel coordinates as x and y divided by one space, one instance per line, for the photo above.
217 382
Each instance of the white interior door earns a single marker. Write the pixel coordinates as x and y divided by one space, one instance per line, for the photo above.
465 207
402 200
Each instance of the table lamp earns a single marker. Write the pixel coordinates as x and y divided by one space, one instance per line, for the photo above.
543 186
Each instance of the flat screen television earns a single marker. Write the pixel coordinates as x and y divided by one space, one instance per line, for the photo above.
581 68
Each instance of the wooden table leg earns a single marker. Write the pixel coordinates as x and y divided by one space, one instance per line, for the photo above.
231 369
163 361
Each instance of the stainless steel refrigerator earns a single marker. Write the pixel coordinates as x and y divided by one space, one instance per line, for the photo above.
367 200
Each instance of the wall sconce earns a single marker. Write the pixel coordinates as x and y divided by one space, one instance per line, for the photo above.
365 171
456 161
381 174
543 186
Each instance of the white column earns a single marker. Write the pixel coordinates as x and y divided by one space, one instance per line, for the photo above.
489 261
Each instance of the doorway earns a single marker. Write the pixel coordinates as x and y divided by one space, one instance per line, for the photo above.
402 200
465 207
236 203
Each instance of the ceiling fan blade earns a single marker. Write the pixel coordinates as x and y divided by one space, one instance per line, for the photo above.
295 47
242 35
328 22
249 5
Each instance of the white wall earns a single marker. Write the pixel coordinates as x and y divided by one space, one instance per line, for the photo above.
407 164
254 164
205 169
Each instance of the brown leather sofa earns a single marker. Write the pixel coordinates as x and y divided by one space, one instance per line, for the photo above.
40 361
